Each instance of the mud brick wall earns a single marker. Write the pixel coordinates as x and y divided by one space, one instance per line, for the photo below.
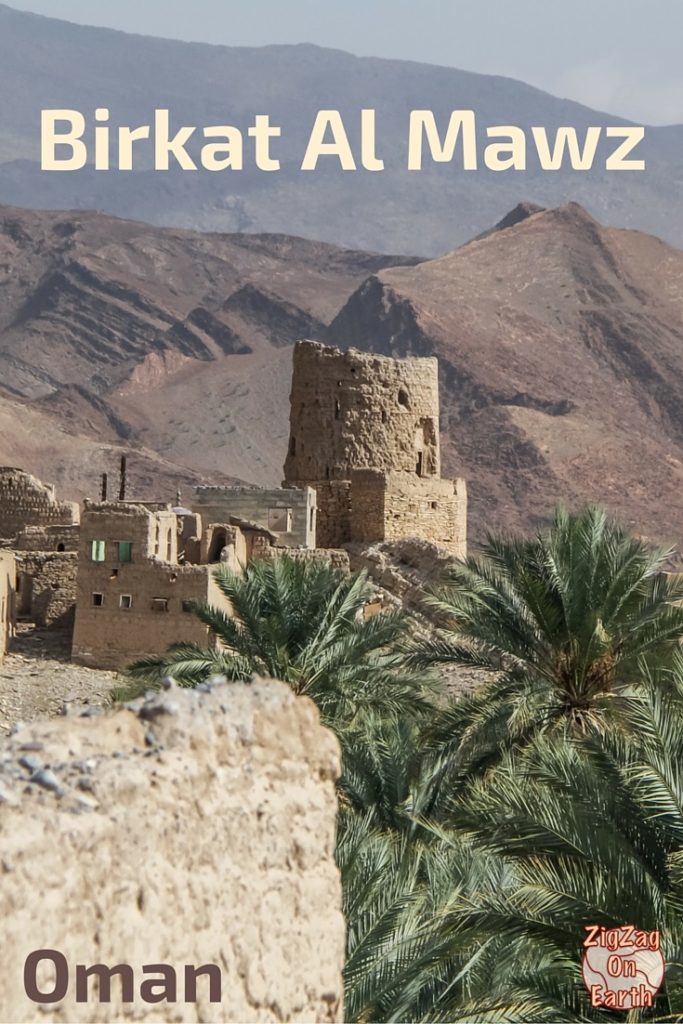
337 558
334 513
389 506
196 828
48 538
143 609
25 501
47 587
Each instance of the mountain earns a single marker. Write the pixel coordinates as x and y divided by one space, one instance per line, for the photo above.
169 344
47 63
560 345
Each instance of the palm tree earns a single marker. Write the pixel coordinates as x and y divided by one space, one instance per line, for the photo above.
302 622
563 621
486 922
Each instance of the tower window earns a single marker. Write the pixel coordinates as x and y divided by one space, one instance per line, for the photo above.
403 398
292 446
97 600
384 415
125 601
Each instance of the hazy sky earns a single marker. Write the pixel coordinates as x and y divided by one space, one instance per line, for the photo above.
620 56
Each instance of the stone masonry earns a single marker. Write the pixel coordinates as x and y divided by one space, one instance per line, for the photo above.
25 501
46 587
197 828
364 432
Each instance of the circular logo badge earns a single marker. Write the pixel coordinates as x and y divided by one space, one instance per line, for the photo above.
623 968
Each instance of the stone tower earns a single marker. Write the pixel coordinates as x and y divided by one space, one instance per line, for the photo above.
364 432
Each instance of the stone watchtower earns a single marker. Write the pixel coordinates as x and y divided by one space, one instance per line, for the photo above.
364 432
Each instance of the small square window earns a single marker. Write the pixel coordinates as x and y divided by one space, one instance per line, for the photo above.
124 550
188 606
159 604
126 601
97 551
97 600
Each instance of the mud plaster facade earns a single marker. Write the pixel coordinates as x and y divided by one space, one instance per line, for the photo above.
7 600
133 593
364 432
25 501
290 514
213 845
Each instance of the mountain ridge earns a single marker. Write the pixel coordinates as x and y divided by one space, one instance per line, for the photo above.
46 63
559 340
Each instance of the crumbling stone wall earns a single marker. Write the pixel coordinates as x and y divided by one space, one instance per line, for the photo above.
7 600
196 829
47 587
25 501
47 538
337 557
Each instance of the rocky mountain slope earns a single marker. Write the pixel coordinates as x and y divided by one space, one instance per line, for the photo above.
560 344
46 63
116 336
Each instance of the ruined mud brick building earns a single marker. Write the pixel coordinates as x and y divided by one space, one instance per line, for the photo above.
43 534
7 600
288 513
136 584
25 501
364 433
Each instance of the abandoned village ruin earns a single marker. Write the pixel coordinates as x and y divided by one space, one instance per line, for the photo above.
363 466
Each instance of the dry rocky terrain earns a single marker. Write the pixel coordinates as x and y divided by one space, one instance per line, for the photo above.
38 680
560 344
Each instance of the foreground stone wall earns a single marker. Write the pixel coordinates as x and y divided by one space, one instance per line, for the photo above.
196 829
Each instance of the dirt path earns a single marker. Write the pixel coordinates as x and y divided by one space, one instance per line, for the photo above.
37 679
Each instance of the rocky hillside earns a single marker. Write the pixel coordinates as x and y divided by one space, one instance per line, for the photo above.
118 336
46 63
560 344
561 351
